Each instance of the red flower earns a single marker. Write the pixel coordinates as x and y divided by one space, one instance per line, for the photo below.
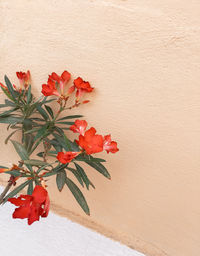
32 206
61 80
91 142
79 127
24 78
82 87
108 145
50 89
67 156
55 80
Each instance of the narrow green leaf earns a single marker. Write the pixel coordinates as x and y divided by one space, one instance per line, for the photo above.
7 93
35 162
10 120
78 195
83 175
68 123
41 132
70 117
10 103
49 110
55 170
14 173
84 157
10 135
30 188
3 167
42 112
20 150
29 142
60 180
99 167
16 190
10 87
29 96
32 130
76 174
6 113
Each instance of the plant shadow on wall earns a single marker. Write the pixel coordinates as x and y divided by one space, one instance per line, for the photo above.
40 125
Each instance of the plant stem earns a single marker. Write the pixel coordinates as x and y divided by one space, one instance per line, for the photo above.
3 194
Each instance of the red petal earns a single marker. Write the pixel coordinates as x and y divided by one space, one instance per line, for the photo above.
39 194
46 207
16 201
34 214
21 212
65 76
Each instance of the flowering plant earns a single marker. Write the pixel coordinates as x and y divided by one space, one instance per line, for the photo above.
40 125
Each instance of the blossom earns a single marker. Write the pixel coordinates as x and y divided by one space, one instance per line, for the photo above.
61 80
24 78
67 156
79 126
108 145
54 81
32 206
91 142
82 87
50 89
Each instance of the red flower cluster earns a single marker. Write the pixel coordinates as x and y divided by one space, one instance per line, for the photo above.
32 206
92 142
54 82
24 78
24 81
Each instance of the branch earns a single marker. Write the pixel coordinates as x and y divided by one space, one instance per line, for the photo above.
10 183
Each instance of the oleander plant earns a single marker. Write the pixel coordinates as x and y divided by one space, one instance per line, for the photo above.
44 146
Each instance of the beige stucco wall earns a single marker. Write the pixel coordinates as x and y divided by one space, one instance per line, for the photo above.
143 58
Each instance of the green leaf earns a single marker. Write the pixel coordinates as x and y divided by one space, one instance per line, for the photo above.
14 173
20 150
84 157
76 174
10 87
67 142
60 180
70 117
68 123
41 132
42 112
49 110
29 142
99 167
3 167
83 175
10 135
78 195
6 93
55 170
6 113
16 190
10 120
32 130
35 162
30 188
3 106
29 96
10 103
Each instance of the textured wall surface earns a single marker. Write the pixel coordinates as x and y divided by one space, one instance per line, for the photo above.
143 58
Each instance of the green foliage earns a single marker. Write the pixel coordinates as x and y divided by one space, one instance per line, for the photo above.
42 128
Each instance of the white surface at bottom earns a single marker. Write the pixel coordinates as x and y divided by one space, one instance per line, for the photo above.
54 236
